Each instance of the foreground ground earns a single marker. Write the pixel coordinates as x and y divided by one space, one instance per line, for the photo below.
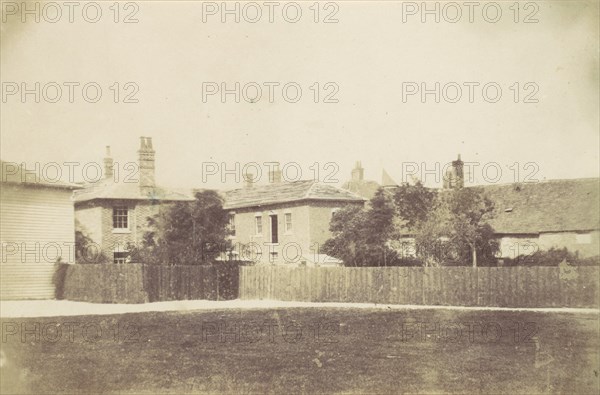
303 350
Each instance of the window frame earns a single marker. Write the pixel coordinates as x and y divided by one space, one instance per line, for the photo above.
258 221
116 216
288 229
232 224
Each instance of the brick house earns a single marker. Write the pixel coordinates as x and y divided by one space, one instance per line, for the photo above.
36 231
285 222
113 211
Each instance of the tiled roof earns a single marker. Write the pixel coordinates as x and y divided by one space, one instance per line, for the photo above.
548 206
108 189
13 173
284 192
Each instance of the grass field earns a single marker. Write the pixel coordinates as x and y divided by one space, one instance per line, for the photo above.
303 350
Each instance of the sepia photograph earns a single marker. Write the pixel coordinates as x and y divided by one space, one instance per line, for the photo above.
300 197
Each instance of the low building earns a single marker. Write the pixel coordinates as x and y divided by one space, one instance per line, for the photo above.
37 231
285 222
112 213
550 214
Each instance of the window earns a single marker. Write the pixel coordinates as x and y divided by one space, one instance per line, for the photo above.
583 238
274 230
120 218
120 257
232 224
258 220
288 222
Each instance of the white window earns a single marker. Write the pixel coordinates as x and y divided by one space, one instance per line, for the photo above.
232 223
120 218
258 221
583 238
288 222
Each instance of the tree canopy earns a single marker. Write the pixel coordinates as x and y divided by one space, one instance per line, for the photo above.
193 232
448 227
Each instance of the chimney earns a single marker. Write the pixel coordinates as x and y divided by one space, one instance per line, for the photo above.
275 175
248 180
146 164
108 164
458 165
358 173
454 177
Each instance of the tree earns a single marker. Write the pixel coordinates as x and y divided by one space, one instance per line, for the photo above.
414 203
86 251
347 241
360 236
187 232
379 227
456 229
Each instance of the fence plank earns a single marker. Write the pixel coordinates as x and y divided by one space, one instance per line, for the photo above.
465 286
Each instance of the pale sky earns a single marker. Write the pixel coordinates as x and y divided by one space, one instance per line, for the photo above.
368 54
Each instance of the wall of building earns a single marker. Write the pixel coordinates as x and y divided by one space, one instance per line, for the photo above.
310 230
290 245
320 214
95 220
88 221
37 229
586 243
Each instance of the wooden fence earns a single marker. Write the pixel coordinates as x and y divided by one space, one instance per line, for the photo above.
137 283
458 286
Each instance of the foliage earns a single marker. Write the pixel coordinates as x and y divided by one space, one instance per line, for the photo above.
360 236
86 251
448 228
414 202
186 232
456 230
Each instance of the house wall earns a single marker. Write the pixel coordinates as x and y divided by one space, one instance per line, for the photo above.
290 244
310 229
37 228
94 220
515 245
320 214
574 241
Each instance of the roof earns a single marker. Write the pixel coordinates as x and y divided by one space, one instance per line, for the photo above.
547 206
364 188
387 180
284 192
16 174
108 189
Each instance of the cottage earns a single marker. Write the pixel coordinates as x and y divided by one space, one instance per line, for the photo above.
112 213
538 216
37 231
285 222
